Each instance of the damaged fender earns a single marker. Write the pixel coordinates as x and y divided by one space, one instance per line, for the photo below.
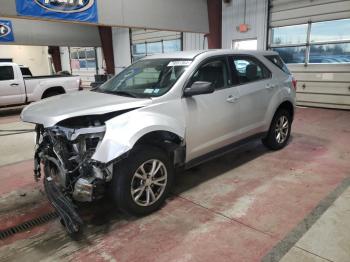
122 132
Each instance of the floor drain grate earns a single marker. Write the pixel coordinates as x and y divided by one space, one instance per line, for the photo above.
27 225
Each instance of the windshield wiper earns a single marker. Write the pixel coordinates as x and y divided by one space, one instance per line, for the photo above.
121 93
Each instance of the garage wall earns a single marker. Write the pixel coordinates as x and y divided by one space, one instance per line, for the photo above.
286 12
39 33
177 15
121 48
319 85
255 16
147 42
323 85
35 57
194 41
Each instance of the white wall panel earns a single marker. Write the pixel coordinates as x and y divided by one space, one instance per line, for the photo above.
298 12
38 33
35 57
255 17
65 59
194 41
121 48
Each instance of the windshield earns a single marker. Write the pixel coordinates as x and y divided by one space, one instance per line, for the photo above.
146 78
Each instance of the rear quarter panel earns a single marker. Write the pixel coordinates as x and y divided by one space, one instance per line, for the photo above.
284 90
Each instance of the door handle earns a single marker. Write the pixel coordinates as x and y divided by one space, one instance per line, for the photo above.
232 99
14 84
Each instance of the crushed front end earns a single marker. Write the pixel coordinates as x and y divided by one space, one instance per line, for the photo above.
70 174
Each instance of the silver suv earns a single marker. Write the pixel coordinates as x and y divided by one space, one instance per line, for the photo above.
163 112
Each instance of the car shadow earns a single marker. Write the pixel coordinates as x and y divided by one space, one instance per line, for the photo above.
10 111
102 216
187 179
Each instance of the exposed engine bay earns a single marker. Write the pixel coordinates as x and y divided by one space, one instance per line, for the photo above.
70 172
66 154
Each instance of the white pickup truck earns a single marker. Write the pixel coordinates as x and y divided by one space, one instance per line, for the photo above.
18 86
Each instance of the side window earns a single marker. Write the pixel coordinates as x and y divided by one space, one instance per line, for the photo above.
277 61
249 70
6 73
214 71
25 71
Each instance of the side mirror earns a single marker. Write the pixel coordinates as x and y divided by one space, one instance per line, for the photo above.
199 88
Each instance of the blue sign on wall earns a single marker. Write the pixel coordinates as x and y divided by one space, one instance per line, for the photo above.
6 32
74 10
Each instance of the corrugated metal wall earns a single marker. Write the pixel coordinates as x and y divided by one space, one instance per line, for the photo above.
255 16
194 41
286 12
319 85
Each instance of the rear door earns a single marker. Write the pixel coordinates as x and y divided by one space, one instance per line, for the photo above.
211 119
255 89
11 86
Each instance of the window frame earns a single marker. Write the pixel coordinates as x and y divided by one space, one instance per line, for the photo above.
205 61
13 73
254 59
308 43
85 59
284 67
136 56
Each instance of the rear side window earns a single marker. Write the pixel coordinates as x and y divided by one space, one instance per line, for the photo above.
25 71
248 69
277 61
6 73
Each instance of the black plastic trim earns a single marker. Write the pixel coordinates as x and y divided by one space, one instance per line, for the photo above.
222 151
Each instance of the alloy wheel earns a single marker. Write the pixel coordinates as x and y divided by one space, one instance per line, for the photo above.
149 182
281 129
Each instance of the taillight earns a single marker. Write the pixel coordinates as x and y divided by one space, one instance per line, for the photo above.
294 82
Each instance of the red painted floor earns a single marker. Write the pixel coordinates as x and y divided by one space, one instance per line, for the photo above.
235 208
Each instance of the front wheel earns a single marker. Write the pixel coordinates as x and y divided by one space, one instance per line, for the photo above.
142 181
279 132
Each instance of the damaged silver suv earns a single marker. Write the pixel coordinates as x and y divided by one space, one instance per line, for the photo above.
163 112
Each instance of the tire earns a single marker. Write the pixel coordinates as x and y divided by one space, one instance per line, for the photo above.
278 135
125 179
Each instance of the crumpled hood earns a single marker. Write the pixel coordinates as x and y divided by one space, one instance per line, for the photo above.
52 110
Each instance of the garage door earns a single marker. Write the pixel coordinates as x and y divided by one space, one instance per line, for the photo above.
313 37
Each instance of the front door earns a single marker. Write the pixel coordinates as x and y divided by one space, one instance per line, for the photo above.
211 119
11 88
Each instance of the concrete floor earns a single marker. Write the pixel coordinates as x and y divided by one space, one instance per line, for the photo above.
250 205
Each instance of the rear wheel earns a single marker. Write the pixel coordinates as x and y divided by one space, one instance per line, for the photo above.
142 181
279 131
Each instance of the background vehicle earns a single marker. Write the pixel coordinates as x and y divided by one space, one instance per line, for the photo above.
163 112
18 86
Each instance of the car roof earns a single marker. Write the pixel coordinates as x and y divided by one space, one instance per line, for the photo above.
210 52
